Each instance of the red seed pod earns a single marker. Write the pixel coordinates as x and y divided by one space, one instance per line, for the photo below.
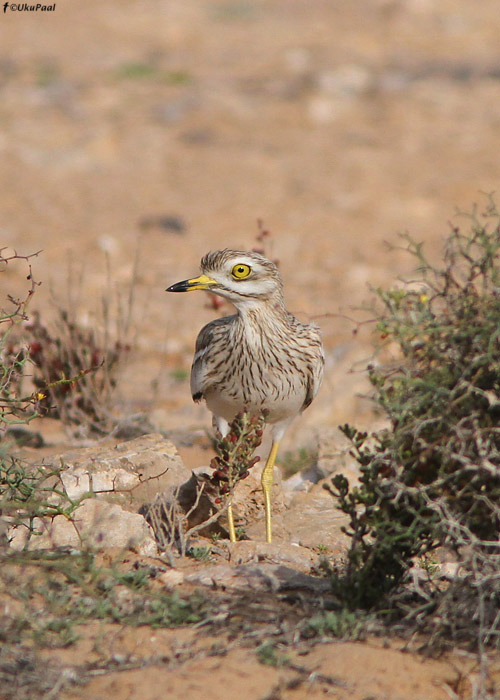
217 500
254 461
259 433
34 348
244 475
219 474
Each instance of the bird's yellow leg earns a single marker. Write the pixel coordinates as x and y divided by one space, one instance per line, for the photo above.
267 482
232 531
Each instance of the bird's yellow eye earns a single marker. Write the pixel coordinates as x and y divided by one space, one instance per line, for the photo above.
239 272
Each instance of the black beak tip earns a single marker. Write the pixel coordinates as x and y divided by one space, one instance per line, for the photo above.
178 287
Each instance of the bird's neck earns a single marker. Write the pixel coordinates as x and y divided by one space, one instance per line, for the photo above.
270 311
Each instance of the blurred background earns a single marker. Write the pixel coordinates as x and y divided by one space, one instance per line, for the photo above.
136 136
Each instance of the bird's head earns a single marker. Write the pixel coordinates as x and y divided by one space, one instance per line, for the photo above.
243 277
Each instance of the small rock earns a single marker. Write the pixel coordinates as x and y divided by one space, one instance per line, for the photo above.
323 109
248 551
345 80
313 521
171 578
257 578
95 524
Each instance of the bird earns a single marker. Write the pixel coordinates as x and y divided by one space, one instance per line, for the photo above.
259 359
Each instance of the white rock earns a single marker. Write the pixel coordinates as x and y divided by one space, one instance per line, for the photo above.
130 473
122 478
96 524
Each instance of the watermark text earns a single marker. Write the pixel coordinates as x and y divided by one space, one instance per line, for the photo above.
28 7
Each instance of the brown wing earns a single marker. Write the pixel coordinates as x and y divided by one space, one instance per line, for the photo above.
315 368
208 338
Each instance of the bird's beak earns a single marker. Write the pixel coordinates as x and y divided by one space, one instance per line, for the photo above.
201 282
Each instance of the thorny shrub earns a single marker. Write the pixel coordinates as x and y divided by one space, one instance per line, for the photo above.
27 493
70 372
66 366
15 406
432 478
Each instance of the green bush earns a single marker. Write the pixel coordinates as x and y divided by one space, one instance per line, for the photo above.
432 478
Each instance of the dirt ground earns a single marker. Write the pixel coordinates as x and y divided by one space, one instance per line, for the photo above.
340 670
138 136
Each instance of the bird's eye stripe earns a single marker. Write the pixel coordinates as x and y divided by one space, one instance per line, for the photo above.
241 271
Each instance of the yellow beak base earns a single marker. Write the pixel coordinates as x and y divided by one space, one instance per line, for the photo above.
201 282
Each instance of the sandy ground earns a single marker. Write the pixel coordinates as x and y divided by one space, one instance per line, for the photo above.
162 130
345 671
